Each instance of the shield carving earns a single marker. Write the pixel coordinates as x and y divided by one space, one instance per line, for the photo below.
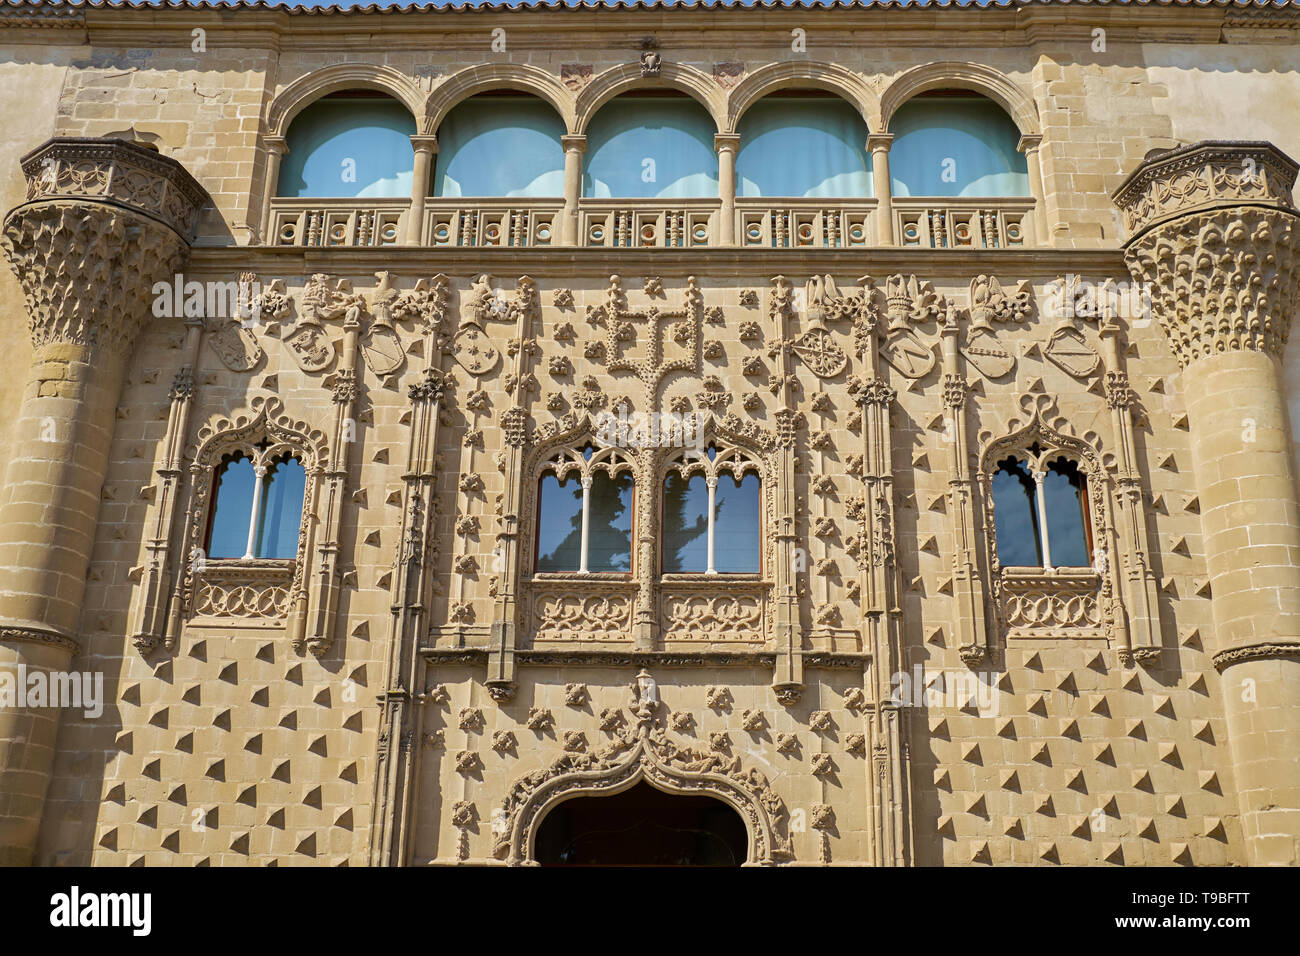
907 354
382 350
1069 349
235 345
311 347
474 351
820 353
987 355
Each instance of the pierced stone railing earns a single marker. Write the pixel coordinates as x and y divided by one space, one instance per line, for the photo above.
964 223
113 170
1053 602
582 609
623 223
338 222
492 222
243 593
811 223
713 609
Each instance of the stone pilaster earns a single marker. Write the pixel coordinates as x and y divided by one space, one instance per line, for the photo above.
1214 235
103 222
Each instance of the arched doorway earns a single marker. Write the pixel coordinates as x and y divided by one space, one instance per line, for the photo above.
642 826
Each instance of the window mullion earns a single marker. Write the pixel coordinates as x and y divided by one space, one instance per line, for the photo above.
1039 478
712 482
259 472
586 523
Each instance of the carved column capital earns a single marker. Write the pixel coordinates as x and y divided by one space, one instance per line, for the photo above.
1213 240
104 220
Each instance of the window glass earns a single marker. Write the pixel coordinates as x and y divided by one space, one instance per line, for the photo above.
1015 516
559 524
648 147
500 146
956 146
685 524
1063 492
232 507
282 492
736 525
349 146
609 544
803 146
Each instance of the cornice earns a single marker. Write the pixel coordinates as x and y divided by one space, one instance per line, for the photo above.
599 263
628 658
867 23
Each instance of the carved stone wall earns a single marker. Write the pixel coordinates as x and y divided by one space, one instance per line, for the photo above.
408 691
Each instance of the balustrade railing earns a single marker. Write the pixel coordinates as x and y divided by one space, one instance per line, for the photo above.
811 223
623 223
964 223
338 222
628 224
492 222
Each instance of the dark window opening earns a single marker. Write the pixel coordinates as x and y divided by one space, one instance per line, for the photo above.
642 827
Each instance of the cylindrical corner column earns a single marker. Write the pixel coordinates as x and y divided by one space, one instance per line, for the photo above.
88 265
1223 271
727 146
878 145
574 147
425 148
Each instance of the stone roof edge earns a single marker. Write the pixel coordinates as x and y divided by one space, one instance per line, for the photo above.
72 9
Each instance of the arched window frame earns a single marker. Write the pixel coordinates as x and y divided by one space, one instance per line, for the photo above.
572 459
1039 459
265 587
263 458
733 460
1051 600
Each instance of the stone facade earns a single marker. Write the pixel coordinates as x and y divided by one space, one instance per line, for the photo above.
406 691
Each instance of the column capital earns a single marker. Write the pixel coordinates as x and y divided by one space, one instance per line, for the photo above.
729 141
572 141
1214 238
428 143
1029 141
879 141
276 144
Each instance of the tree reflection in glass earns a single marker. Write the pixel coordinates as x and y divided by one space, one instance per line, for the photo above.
609 535
559 524
685 524
1015 515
